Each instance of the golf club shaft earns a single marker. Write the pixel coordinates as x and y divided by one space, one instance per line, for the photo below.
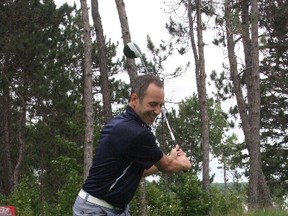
168 126
143 63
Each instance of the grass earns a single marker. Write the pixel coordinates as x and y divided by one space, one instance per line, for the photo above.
273 212
268 213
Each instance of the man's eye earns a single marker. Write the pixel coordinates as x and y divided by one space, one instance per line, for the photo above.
153 104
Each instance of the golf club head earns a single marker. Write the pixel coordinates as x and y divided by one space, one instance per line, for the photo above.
131 50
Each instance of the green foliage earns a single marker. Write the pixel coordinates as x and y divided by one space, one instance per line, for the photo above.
53 155
65 196
185 197
193 200
225 202
26 197
28 200
159 202
270 212
181 197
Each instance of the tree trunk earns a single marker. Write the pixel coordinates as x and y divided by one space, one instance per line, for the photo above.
88 94
13 175
201 87
20 132
130 64
250 113
21 148
142 201
102 54
225 176
198 52
6 171
253 87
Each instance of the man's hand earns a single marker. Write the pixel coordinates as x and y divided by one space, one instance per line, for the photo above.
180 156
184 161
180 152
174 151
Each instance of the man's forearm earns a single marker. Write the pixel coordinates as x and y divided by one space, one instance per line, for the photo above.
152 170
170 164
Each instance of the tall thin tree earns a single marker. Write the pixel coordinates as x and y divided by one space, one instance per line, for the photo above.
88 94
198 52
102 57
130 63
258 193
7 183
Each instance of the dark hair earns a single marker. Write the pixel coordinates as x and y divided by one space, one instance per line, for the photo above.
142 82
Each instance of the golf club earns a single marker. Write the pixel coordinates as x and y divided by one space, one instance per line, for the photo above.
163 111
131 50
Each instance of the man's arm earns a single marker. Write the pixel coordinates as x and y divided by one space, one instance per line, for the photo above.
152 170
175 162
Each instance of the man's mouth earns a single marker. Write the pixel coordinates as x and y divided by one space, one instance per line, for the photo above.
151 119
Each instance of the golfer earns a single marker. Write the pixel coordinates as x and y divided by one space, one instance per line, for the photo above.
127 151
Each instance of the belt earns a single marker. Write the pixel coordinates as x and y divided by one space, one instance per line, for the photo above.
84 195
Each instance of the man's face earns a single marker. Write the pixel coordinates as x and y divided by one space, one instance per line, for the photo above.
150 106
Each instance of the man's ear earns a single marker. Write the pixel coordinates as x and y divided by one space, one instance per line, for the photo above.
133 99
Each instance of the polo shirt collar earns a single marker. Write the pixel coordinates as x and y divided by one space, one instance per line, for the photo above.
131 112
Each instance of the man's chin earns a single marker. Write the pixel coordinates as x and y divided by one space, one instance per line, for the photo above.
151 122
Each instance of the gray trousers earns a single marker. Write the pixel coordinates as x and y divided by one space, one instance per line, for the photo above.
82 207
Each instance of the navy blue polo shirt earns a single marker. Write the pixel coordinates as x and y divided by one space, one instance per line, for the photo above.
126 147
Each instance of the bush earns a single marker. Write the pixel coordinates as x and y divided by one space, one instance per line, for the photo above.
227 203
26 197
193 200
28 200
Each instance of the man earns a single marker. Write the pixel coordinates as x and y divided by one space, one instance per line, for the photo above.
127 151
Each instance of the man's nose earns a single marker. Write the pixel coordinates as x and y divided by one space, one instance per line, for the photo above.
157 111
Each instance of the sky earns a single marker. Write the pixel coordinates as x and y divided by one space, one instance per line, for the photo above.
147 17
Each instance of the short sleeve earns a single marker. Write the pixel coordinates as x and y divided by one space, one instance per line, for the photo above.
144 150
